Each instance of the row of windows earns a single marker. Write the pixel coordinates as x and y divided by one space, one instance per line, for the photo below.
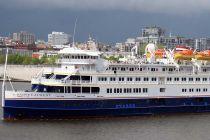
189 79
80 57
127 79
148 69
194 90
197 79
127 90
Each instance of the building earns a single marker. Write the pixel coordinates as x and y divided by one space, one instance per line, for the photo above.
202 44
58 38
172 41
25 37
153 31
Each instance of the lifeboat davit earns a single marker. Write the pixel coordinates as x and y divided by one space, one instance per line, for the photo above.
204 55
183 53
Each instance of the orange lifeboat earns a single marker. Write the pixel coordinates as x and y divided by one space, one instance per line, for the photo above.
183 53
204 55
159 53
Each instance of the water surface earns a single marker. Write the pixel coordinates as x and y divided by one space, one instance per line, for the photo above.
164 127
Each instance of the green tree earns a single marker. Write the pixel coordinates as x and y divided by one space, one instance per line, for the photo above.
2 59
27 60
35 61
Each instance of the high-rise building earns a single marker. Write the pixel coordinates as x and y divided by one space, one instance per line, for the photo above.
58 38
25 37
153 31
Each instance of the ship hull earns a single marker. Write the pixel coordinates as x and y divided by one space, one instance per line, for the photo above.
64 109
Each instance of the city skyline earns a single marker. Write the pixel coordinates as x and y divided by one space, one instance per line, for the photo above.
109 23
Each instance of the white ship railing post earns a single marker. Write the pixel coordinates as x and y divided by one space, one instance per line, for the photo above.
4 79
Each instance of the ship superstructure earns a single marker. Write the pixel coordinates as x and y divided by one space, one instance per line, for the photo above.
85 84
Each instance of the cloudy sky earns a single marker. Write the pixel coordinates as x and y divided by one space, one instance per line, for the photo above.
105 20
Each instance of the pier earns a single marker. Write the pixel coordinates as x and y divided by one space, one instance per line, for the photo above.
20 73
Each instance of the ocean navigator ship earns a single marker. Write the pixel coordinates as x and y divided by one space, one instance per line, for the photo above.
85 84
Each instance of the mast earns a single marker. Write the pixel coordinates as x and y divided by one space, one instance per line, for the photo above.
4 79
75 25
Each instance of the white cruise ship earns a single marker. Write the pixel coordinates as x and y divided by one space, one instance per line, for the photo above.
85 84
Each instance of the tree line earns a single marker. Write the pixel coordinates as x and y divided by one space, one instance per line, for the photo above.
17 59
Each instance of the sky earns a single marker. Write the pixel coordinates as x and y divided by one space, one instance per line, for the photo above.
107 21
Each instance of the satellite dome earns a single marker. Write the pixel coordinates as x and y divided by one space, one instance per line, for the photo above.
151 47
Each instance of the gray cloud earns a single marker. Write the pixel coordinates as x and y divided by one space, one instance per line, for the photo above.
159 6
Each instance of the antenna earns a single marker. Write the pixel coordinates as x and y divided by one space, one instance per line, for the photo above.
75 25
4 79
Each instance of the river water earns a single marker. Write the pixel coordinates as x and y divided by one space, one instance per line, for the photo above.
162 127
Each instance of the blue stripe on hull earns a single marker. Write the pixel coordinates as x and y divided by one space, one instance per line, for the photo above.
59 109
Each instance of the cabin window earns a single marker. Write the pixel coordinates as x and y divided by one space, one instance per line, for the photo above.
76 89
125 90
162 89
146 79
136 90
169 78
107 90
121 78
138 78
190 79
191 90
198 90
204 70
184 90
154 79
197 79
115 90
102 79
145 90
129 79
170 69
140 69
205 79
163 69
131 69
97 90
184 79
86 89
112 79
205 90
122 69
176 79
153 69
